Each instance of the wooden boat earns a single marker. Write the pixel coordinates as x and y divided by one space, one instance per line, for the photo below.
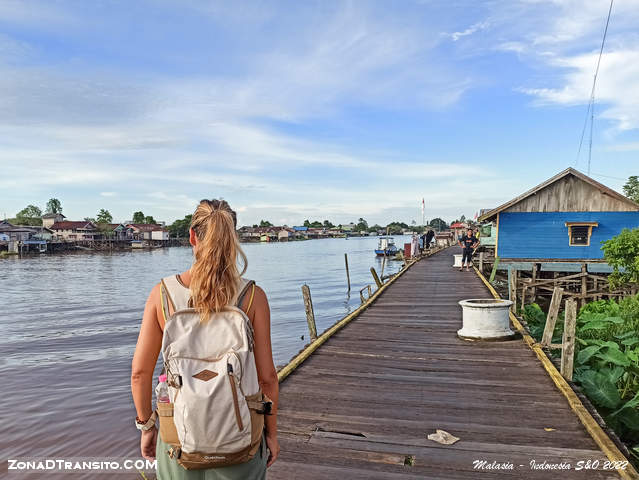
386 247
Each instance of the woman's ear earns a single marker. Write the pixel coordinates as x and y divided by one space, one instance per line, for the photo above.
192 237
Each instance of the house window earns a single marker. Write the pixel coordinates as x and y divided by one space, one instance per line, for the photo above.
579 233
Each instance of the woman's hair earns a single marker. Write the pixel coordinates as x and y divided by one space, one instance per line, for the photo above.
215 276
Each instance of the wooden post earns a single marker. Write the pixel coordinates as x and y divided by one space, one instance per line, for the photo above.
494 271
348 275
383 265
378 282
481 262
310 315
584 284
533 290
551 319
568 341
512 288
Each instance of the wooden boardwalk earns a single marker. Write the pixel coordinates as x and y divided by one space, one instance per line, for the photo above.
363 404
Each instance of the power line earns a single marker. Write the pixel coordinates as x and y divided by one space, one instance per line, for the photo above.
590 114
608 176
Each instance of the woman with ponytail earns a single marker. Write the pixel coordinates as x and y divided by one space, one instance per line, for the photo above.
214 281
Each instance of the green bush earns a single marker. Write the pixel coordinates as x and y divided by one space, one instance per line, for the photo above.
622 254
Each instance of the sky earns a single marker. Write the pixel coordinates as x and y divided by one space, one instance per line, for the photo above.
309 110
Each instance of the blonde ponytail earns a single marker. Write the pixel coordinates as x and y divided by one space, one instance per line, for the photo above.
215 276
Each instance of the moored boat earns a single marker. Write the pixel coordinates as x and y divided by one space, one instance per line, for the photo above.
386 247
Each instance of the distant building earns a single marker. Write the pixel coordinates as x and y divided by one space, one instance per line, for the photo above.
17 235
458 229
564 218
49 219
148 231
285 234
71 231
118 231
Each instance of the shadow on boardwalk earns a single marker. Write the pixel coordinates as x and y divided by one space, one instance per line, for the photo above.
363 404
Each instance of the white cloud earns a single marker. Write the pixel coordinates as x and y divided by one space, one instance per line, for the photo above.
616 96
108 194
476 27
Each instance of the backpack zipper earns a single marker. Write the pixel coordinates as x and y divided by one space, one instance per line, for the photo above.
236 404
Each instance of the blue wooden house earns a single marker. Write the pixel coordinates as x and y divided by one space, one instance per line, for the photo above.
565 218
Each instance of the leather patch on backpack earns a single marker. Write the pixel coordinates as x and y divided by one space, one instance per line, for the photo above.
205 375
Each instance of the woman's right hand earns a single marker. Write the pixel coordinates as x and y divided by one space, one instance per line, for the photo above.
273 447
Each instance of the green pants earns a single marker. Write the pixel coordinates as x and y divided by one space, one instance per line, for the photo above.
169 469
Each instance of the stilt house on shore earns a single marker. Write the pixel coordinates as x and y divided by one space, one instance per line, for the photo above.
564 218
555 229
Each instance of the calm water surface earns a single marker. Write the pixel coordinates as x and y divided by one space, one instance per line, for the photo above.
69 324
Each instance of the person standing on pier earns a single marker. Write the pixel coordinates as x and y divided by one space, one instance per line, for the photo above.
215 292
468 242
429 238
414 245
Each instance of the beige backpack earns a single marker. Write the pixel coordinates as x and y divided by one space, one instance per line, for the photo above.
216 414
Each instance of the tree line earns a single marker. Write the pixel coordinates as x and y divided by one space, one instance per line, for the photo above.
31 215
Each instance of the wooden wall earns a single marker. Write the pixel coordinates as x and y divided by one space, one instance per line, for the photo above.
571 194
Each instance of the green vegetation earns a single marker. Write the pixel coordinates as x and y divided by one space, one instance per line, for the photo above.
361 226
631 188
30 215
606 360
265 223
438 224
180 228
104 216
622 254
54 206
138 217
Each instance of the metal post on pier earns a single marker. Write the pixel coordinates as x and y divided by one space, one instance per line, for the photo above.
348 276
310 315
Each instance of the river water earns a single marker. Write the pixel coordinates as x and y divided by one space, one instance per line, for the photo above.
69 324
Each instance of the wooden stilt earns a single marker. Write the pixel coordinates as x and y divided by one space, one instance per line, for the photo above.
310 315
348 275
568 341
553 313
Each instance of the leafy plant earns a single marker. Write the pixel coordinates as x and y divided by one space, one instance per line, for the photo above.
607 363
622 254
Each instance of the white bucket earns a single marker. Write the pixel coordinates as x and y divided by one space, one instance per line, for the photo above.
485 319
458 260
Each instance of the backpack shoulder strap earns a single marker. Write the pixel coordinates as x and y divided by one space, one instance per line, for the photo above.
176 294
248 284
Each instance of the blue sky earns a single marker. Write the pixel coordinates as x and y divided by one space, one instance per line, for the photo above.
316 109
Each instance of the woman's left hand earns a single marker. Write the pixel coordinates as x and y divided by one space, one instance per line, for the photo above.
147 443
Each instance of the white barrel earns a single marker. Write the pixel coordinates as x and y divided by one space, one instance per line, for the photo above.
485 319
458 259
